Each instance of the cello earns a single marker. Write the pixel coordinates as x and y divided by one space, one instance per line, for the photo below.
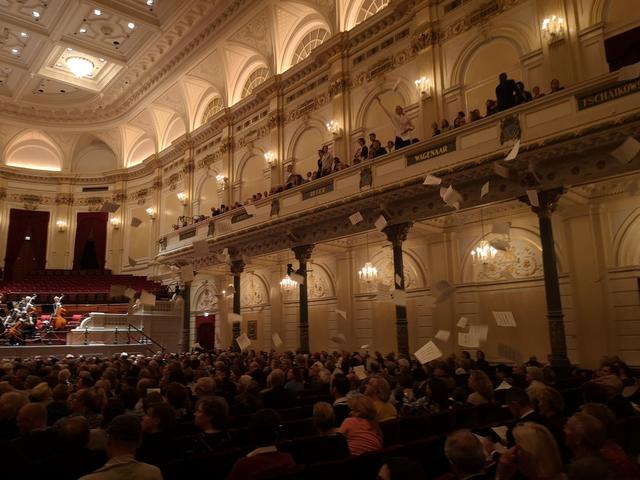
59 322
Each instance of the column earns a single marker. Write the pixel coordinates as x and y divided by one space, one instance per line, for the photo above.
547 203
186 317
237 267
397 234
303 254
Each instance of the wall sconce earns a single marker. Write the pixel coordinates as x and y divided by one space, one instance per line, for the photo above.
115 223
333 127
182 197
270 158
553 28
62 225
151 212
423 85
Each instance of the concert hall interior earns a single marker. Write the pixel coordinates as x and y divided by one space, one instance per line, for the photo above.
278 197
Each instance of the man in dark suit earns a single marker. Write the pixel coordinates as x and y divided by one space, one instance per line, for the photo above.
522 410
506 92
340 386
276 396
466 455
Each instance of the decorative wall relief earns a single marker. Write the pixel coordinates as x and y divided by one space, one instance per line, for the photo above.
207 299
318 283
253 291
522 260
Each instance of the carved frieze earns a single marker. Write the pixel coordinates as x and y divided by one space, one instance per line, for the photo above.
64 199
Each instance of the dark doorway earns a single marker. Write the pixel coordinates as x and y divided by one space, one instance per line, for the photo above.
91 241
26 243
623 49
205 331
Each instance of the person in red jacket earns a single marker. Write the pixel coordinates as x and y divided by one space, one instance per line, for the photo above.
265 461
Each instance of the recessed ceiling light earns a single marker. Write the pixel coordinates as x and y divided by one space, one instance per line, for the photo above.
150 3
131 25
97 12
102 60
83 30
69 49
24 34
35 14
15 51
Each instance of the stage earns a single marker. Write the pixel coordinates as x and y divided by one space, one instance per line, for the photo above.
60 351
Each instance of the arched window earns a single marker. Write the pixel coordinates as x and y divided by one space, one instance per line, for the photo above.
310 41
255 79
370 8
213 107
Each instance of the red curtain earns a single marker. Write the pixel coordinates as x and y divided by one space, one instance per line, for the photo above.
205 331
91 226
23 256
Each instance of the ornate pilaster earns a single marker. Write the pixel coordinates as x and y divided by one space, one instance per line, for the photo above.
237 267
397 234
548 200
303 255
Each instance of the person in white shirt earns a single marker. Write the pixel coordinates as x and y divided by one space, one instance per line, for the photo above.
401 125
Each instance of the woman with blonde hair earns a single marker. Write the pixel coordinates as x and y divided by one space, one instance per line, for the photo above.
535 455
482 388
360 428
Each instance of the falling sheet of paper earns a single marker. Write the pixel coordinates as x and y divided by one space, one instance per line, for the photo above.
339 339
500 170
109 207
380 223
186 272
135 222
627 151
479 331
443 335
130 293
364 347
341 313
452 197
297 278
428 352
629 72
514 151
463 322
503 386
360 372
443 290
400 298
504 319
500 244
118 291
243 342
432 180
398 279
132 262
501 228
251 209
277 341
501 431
234 317
533 198
356 218
467 340
147 298
484 190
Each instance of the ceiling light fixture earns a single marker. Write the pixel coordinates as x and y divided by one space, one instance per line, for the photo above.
15 51
150 3
131 25
80 66
102 60
35 14
24 34
83 30
69 49
97 12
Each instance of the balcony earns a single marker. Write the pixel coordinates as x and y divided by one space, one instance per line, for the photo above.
564 138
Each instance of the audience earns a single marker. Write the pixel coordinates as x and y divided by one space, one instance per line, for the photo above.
361 428
482 389
466 456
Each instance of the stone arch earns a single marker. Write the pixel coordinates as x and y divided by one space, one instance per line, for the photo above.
142 149
307 24
349 20
207 191
414 272
625 241
175 129
250 174
206 297
34 150
204 104
307 129
252 65
91 154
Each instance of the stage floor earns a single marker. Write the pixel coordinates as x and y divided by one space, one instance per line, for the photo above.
60 351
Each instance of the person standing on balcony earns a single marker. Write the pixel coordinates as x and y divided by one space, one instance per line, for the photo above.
506 92
401 124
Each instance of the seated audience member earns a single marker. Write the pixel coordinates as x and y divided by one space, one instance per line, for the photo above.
551 409
460 120
362 151
481 362
536 93
340 387
521 409
98 436
378 149
85 403
534 377
611 451
491 107
505 92
379 392
444 125
535 455
295 380
178 397
212 419
435 129
158 440
59 407
36 439
361 429
10 405
248 398
265 461
123 438
205 387
466 455
522 95
482 389
276 396
585 436
390 146
610 395
555 85
474 116
398 468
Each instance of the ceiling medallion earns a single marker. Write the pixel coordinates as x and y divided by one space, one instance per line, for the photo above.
80 66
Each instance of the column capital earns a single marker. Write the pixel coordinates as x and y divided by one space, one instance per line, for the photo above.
548 201
303 252
237 267
397 233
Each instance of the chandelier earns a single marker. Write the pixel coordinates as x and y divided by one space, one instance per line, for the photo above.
287 284
80 66
483 253
368 273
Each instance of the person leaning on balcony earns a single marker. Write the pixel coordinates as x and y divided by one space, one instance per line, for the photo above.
536 93
460 120
474 115
492 107
444 125
372 138
362 152
555 85
506 92
378 149
522 95
401 124
435 128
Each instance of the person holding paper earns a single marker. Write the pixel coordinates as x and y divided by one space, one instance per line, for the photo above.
361 429
401 124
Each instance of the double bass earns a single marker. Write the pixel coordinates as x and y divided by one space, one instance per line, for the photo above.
58 321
